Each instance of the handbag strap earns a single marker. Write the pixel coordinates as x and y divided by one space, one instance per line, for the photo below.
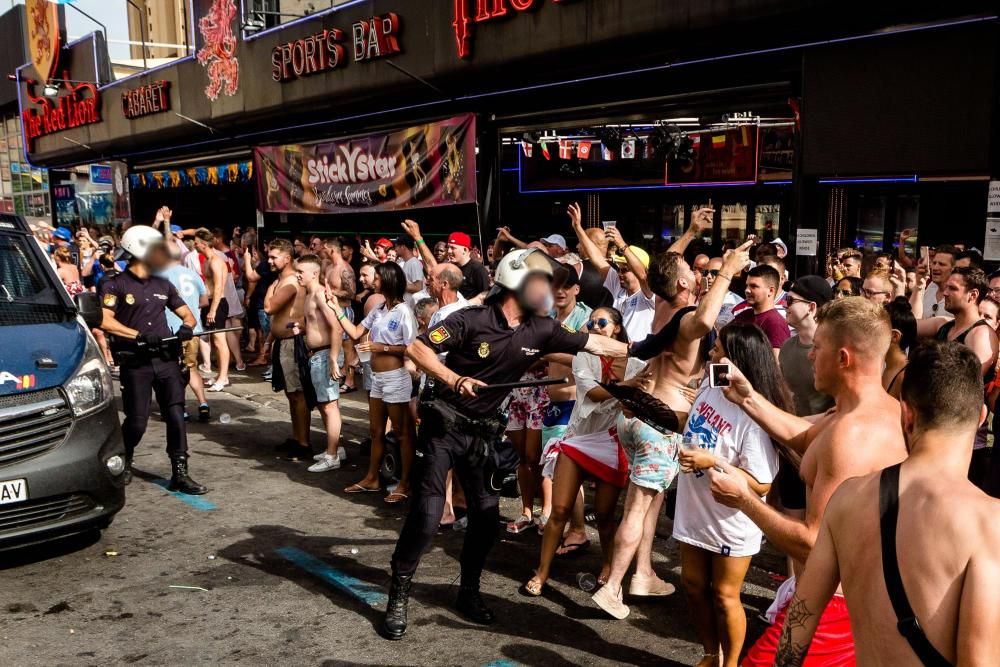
906 619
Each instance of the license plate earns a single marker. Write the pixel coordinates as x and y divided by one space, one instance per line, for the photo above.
14 491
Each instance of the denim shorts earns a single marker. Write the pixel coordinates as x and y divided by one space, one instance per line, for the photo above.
327 388
265 322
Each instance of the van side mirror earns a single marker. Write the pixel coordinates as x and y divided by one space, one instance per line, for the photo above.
90 309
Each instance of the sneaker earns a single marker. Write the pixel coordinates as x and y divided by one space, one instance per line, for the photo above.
610 602
651 586
341 454
204 412
326 463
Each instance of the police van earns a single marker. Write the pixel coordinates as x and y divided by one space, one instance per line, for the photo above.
61 452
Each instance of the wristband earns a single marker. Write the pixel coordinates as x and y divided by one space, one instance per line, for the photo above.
342 316
726 276
419 241
458 384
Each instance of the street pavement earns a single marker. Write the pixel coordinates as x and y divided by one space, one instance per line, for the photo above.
277 566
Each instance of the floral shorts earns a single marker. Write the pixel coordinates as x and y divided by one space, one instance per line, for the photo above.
527 409
652 455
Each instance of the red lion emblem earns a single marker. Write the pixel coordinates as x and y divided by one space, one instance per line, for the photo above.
218 55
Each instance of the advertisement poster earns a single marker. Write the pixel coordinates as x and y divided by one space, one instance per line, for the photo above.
427 165
725 156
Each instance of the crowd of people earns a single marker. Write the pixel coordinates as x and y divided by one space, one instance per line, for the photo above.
823 413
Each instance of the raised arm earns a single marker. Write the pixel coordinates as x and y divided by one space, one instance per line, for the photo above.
634 264
413 229
700 322
589 248
701 219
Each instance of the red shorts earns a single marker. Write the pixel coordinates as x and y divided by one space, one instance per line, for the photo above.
832 645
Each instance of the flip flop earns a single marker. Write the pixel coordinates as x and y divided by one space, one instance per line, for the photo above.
395 498
532 589
572 550
357 488
344 389
519 525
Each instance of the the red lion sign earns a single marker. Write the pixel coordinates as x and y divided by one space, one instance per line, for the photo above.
218 55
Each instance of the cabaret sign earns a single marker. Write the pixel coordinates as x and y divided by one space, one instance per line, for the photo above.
149 99
468 13
82 106
377 37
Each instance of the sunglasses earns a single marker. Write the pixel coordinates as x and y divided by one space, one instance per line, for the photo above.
845 292
791 301
712 272
600 323
870 292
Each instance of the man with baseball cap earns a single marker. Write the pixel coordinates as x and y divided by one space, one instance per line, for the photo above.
475 278
555 245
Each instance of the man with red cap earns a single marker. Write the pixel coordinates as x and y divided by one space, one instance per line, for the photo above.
475 278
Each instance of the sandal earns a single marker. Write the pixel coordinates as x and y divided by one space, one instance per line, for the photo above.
519 525
345 389
542 520
532 587
572 550
357 488
395 498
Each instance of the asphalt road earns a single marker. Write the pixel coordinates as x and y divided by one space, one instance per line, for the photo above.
276 566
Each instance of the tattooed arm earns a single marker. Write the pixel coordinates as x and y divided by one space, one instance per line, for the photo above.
813 591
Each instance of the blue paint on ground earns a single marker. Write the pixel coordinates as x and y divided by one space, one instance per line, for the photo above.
370 594
501 663
196 502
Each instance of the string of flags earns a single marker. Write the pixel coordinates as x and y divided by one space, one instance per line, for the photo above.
664 143
233 172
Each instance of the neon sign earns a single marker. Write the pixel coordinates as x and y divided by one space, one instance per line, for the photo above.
61 113
470 12
377 37
145 100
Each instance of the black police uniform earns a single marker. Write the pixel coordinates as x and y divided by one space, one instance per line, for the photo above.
141 305
481 345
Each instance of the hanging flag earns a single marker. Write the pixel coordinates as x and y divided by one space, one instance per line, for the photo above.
583 150
648 150
718 140
628 148
545 151
744 135
607 153
565 149
526 147
695 141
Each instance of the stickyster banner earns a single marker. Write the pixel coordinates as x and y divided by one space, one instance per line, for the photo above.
427 165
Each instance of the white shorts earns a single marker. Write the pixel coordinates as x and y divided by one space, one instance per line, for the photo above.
392 386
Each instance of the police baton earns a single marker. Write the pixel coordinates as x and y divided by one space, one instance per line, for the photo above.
544 382
171 339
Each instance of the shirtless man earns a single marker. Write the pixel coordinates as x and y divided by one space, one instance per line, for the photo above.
323 338
945 537
859 435
214 315
652 453
286 306
338 276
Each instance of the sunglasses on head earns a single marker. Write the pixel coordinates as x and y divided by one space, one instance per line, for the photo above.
600 323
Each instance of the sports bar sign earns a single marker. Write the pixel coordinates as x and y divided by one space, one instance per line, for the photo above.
377 37
426 165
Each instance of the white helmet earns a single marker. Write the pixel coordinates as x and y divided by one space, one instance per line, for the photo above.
515 267
139 239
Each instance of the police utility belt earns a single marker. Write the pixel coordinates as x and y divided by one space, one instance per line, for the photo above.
129 353
488 450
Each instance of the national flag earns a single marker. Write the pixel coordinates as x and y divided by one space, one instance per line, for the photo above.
545 151
718 140
607 153
628 148
695 141
565 149
583 150
526 146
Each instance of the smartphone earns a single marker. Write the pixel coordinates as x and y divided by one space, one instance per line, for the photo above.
718 375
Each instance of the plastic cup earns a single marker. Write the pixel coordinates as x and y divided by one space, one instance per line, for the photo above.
586 581
364 357
224 418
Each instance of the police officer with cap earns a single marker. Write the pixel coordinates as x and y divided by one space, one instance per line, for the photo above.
494 343
135 303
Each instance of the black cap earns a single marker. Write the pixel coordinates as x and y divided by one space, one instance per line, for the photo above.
812 288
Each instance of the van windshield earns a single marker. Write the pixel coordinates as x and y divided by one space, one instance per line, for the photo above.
27 295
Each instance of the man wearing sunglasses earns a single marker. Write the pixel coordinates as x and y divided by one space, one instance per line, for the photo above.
877 288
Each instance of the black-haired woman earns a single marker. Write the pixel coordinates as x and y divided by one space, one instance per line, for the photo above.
392 328
717 542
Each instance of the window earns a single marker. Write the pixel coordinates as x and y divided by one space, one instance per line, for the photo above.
23 190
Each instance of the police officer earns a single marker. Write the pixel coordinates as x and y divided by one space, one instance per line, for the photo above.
495 343
135 303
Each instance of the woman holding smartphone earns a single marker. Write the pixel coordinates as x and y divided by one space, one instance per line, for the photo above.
392 328
717 542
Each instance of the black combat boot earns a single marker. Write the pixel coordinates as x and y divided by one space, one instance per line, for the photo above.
180 481
470 604
127 475
394 625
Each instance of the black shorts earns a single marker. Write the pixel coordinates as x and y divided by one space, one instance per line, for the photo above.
221 315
